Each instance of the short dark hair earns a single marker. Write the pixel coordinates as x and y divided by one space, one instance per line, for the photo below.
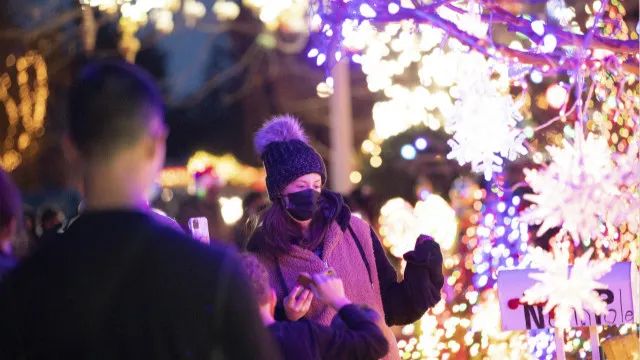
258 277
111 104
50 212
10 202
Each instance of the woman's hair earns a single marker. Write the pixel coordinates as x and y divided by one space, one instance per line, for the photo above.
280 231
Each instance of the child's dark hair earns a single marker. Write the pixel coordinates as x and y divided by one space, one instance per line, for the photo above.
258 277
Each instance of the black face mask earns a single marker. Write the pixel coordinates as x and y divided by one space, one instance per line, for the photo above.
302 205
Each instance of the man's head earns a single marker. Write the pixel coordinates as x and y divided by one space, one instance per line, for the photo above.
116 113
10 210
259 279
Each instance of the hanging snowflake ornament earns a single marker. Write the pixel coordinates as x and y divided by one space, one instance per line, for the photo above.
583 188
564 289
483 120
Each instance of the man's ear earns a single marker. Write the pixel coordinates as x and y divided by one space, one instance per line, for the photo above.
156 141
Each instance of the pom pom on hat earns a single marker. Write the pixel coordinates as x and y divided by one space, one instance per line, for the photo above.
279 128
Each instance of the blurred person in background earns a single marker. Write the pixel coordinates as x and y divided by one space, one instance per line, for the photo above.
30 237
118 284
361 338
10 220
206 204
253 203
50 221
360 201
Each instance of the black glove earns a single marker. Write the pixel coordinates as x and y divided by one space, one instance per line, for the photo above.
427 254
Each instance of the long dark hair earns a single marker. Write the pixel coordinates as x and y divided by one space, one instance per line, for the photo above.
279 232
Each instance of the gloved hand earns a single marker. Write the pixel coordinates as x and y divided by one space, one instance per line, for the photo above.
427 254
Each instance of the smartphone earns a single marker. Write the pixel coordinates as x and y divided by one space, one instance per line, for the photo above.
199 227
305 280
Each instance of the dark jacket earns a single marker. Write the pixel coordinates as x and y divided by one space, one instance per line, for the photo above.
7 262
119 285
304 340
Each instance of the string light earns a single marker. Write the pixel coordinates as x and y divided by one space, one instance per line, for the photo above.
25 106
226 167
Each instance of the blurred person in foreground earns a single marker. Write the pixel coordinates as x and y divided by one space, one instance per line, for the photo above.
118 284
10 218
358 338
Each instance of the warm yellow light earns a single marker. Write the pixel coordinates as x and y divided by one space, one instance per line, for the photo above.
226 10
355 177
375 161
228 168
368 146
25 108
401 224
231 209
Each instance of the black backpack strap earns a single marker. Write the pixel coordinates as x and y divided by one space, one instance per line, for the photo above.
361 251
281 280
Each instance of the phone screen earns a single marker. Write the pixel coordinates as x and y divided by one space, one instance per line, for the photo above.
199 227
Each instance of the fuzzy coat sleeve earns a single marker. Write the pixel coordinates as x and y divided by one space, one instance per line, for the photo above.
406 301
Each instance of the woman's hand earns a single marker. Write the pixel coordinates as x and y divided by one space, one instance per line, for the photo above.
297 303
329 290
429 253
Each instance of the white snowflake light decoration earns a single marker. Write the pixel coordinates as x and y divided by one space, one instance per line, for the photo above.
483 120
583 188
564 289
401 223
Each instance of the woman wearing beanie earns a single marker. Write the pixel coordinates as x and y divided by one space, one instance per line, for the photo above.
309 229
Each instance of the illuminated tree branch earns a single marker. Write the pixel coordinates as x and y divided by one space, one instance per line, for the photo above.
554 61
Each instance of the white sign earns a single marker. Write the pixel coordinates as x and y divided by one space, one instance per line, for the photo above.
622 298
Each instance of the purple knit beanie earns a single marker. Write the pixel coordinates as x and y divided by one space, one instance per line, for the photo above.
286 154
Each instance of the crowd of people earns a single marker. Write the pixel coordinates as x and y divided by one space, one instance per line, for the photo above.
311 281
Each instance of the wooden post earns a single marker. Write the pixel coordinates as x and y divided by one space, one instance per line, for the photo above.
341 128
559 337
595 342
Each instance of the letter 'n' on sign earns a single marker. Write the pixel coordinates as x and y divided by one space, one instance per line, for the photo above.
533 312
622 297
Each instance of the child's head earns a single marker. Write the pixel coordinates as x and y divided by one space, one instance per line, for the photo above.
259 279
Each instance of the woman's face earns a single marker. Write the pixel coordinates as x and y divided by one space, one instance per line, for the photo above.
304 182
